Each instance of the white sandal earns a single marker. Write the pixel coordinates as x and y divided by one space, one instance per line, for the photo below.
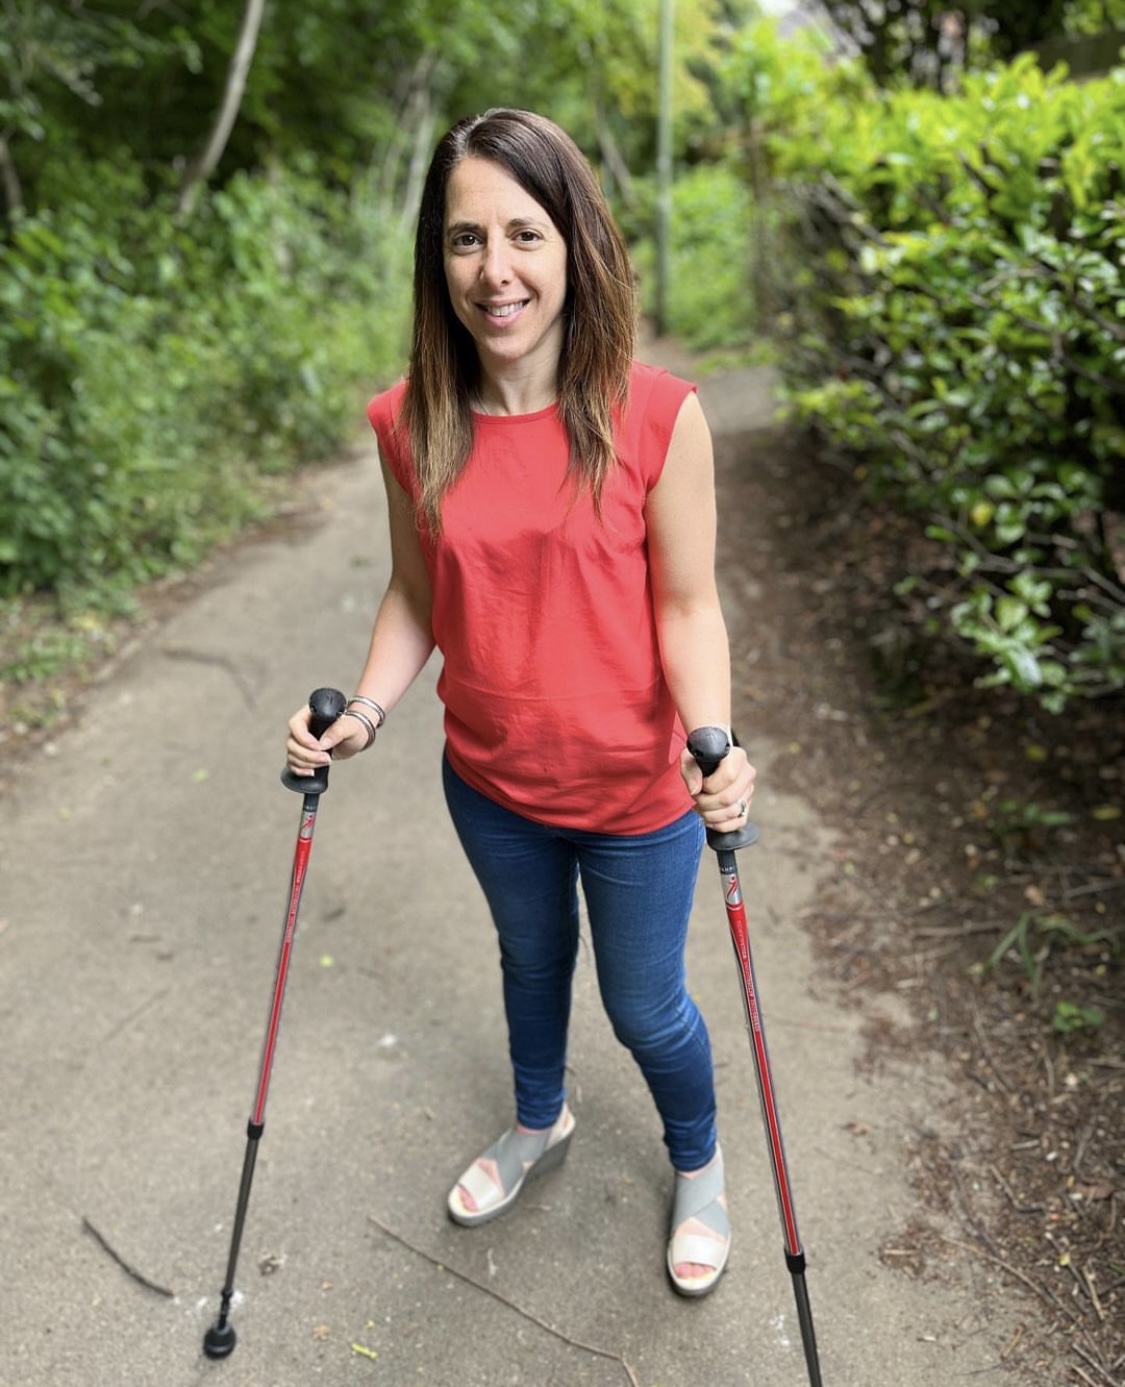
497 1175
698 1200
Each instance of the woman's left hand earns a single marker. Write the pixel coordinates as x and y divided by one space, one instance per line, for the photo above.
723 800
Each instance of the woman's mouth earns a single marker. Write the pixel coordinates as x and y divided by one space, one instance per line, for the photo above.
503 310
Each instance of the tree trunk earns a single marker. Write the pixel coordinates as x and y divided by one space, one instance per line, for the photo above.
10 179
201 167
612 158
411 104
423 118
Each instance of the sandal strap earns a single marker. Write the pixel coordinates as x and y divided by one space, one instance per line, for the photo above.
698 1198
699 1251
700 1229
513 1153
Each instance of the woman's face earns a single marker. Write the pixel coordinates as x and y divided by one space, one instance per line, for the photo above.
505 266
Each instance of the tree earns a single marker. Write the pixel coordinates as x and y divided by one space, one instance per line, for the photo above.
921 41
50 53
204 163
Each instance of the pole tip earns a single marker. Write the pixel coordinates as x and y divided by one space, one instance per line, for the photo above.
220 1339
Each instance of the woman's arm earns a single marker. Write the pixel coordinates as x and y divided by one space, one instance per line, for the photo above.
694 650
401 642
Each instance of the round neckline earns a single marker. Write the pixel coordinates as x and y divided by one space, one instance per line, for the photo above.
516 418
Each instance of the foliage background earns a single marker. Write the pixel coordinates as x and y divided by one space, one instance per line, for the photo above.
924 226
951 318
914 210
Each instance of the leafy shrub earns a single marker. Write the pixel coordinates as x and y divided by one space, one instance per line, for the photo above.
955 321
709 303
153 375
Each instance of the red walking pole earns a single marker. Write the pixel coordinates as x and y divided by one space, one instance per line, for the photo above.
709 745
326 705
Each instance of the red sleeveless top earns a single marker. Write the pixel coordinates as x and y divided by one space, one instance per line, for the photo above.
555 700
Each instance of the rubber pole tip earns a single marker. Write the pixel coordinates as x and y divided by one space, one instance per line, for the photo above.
219 1341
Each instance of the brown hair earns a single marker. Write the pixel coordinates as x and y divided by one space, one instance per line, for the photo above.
600 312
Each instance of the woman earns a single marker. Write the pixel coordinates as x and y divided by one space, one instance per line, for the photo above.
552 519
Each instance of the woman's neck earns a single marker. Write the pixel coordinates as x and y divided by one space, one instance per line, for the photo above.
522 393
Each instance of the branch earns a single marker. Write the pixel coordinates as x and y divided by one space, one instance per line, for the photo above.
204 163
534 1319
123 1264
10 179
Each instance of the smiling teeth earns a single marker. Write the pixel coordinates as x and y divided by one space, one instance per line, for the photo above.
503 310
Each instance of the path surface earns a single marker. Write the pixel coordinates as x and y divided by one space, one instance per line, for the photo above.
143 875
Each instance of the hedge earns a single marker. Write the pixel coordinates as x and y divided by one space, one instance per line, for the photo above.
954 318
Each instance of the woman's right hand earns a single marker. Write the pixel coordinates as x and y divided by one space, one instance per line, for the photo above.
304 754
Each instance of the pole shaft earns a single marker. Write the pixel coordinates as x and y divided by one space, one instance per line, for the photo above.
296 887
256 1124
808 1334
248 1162
739 929
795 1257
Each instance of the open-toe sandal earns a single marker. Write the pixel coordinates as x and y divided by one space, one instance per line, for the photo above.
496 1177
700 1229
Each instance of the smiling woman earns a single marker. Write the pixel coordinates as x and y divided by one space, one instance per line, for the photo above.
506 270
552 187
552 517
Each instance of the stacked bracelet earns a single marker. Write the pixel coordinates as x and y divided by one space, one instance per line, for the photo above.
363 718
377 708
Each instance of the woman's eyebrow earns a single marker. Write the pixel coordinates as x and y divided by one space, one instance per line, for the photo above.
516 224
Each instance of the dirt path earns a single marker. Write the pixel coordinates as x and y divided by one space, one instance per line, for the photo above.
142 862
958 815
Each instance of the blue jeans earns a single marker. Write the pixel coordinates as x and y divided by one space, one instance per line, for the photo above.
638 892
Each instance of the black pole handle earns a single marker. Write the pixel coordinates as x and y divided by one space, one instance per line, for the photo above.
709 746
325 706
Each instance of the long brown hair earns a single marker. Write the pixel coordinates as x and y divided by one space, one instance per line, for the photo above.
600 312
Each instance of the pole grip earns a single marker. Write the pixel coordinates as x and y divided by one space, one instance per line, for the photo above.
325 706
709 745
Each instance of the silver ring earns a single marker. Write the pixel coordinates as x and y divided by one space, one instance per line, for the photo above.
743 808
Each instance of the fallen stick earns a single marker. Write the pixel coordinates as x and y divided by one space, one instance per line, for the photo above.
123 1264
509 1304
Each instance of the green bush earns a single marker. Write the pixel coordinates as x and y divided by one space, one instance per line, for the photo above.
709 301
154 375
956 321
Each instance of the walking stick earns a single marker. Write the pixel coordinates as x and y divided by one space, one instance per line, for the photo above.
709 745
325 705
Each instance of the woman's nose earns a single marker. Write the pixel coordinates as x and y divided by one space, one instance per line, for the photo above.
495 268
